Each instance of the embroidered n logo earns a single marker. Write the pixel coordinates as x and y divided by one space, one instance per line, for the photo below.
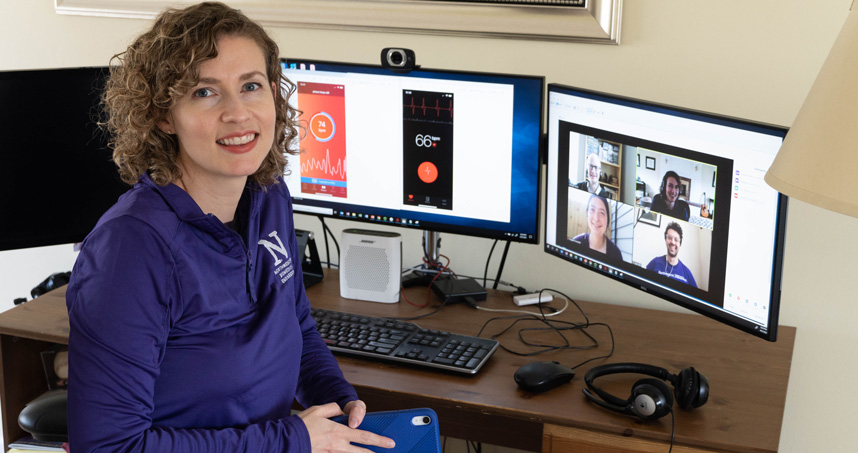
273 249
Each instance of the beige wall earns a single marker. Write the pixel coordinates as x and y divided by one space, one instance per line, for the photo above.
753 60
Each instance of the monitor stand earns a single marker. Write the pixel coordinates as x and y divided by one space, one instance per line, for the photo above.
431 255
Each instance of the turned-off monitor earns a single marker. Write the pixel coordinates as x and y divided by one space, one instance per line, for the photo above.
57 176
668 200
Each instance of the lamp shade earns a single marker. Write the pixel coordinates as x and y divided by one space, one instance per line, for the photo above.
818 162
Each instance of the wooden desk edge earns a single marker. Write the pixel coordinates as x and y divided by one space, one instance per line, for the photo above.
49 311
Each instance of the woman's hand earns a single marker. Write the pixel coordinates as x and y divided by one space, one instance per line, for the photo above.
356 410
327 436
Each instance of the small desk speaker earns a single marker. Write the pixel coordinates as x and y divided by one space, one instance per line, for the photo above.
371 265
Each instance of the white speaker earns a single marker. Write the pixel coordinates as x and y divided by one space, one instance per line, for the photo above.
371 265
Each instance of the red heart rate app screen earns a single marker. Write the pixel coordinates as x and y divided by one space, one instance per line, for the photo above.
427 148
323 163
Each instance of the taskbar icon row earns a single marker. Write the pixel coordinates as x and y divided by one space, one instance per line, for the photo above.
519 235
585 261
376 218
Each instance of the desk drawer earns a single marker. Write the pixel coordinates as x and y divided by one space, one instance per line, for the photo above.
562 439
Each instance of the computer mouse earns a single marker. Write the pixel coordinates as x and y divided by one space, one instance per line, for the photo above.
538 377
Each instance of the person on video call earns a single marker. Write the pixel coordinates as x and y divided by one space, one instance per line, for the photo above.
670 265
190 327
667 201
594 171
598 222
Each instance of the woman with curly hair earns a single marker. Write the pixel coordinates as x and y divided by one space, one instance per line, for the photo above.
190 327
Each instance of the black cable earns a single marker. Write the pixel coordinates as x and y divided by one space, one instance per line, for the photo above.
518 289
325 234
609 354
488 260
540 305
426 315
503 261
556 326
672 429
333 238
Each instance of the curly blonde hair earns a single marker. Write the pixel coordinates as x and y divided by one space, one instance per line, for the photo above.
160 67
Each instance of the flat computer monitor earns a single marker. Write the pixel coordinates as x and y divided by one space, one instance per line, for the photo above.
434 150
668 200
56 173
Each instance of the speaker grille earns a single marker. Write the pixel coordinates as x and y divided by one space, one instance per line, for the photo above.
368 268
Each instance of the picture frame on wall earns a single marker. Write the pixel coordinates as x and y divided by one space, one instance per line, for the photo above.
650 163
650 218
684 188
590 21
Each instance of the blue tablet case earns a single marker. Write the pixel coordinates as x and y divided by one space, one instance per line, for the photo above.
413 430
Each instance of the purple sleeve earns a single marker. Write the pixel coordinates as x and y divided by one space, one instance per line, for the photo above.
119 327
321 379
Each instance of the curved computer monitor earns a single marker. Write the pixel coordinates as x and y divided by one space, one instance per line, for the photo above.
668 200
433 150
56 176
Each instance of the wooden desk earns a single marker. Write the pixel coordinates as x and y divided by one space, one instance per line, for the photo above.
748 376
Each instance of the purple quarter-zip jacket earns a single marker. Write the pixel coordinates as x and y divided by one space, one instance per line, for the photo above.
187 336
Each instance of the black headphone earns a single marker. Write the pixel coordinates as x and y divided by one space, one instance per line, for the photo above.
651 398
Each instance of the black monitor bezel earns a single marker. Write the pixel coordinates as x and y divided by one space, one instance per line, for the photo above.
54 214
729 319
444 227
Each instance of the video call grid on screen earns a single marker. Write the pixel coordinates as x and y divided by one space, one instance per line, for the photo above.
469 162
730 243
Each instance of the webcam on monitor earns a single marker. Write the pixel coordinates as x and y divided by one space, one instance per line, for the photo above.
398 59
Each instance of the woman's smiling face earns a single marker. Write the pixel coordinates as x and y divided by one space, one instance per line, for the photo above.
597 217
225 124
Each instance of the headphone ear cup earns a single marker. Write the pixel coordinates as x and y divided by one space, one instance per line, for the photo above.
651 399
702 390
691 388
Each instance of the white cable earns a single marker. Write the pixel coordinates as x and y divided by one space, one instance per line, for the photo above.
527 312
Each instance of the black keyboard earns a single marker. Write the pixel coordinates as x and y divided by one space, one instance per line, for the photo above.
387 339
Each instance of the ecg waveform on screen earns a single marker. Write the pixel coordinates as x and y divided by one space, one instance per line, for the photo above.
430 111
331 170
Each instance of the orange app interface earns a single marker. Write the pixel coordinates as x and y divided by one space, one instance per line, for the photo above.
323 163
